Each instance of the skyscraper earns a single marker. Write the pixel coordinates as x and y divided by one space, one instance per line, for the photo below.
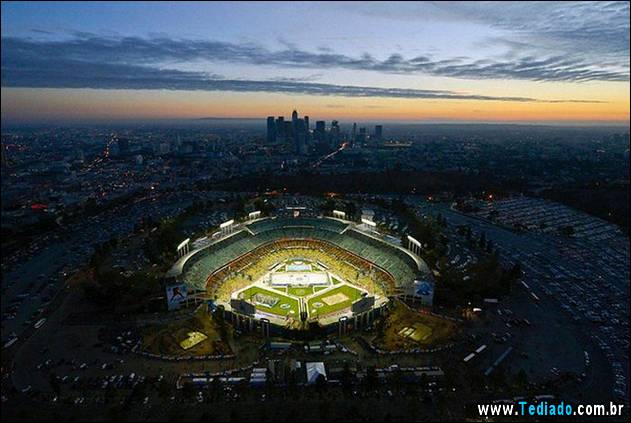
354 134
289 130
300 136
280 127
307 123
294 120
319 132
271 130
335 134
361 138
378 132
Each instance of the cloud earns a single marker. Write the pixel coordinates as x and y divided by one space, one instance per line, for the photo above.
88 61
78 74
583 28
164 52
308 78
592 36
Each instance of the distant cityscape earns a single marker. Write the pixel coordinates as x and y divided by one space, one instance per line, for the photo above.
315 211
64 168
321 140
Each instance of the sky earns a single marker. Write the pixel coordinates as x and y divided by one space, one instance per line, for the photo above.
530 62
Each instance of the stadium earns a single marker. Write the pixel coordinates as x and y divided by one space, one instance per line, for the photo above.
296 273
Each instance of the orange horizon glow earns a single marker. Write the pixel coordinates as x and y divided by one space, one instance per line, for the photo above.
103 105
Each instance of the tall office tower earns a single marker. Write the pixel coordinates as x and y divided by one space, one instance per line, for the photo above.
362 135
354 134
280 127
303 147
379 132
271 130
319 132
308 140
299 136
335 134
294 120
289 126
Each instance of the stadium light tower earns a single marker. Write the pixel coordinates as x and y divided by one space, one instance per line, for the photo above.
414 245
342 326
368 224
265 327
227 227
183 248
339 214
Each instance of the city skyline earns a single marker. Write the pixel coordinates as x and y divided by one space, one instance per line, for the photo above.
555 63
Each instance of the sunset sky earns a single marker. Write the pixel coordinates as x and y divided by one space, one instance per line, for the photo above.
519 62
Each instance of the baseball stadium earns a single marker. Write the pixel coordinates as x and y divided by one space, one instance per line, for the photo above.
296 272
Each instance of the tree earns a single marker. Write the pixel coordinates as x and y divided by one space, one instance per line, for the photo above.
328 205
498 377
346 375
320 383
521 379
482 242
259 204
371 377
567 230
218 317
54 382
350 209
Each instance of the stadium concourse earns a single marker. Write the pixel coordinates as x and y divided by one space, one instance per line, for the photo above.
293 272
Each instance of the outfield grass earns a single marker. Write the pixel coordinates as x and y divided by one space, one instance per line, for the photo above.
336 281
300 291
277 309
352 294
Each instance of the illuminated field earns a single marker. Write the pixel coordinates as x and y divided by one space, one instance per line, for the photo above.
300 291
294 272
333 300
283 306
295 284
284 281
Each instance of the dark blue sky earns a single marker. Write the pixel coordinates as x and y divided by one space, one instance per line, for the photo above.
538 61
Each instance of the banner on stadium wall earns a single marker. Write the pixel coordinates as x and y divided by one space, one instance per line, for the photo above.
176 294
363 304
425 291
242 306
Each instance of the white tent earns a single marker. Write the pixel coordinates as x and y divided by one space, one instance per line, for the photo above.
314 370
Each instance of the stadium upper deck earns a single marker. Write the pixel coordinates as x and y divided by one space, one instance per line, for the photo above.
195 268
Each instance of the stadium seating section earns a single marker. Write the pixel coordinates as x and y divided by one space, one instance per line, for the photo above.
355 249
